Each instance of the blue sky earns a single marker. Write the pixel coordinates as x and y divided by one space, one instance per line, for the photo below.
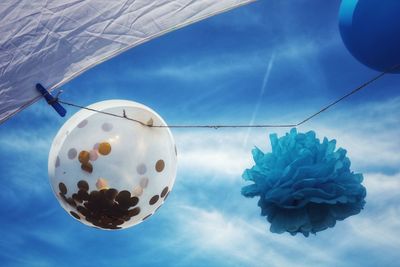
274 61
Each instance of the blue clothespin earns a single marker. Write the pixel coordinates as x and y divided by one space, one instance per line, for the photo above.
51 100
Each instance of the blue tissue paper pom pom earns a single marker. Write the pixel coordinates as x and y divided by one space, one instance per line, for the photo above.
304 186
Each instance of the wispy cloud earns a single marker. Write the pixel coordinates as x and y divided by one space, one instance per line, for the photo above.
215 66
244 242
370 145
206 221
24 151
367 131
213 154
218 158
262 91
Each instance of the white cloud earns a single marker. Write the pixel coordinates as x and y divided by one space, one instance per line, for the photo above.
240 239
214 153
246 240
367 131
377 230
241 242
209 67
24 157
24 141
235 63
382 186
221 152
378 225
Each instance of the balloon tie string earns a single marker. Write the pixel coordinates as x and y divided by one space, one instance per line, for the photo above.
323 109
100 111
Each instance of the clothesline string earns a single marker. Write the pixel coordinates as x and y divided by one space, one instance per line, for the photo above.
215 126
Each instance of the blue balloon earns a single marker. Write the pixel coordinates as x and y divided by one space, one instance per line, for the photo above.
370 29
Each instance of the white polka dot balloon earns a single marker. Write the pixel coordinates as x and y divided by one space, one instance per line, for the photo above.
109 172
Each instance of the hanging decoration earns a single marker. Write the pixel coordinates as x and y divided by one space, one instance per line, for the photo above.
113 173
304 186
370 29
113 164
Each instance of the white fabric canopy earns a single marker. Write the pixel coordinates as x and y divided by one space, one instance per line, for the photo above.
51 42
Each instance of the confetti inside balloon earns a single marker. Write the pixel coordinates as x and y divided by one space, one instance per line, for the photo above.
304 186
97 165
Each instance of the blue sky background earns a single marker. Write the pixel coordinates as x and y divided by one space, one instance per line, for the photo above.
268 62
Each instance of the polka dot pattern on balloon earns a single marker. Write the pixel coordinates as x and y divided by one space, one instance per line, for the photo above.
165 198
63 188
75 215
82 124
160 165
104 148
105 209
146 217
112 174
87 167
107 127
84 156
72 153
164 192
93 156
154 200
141 169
